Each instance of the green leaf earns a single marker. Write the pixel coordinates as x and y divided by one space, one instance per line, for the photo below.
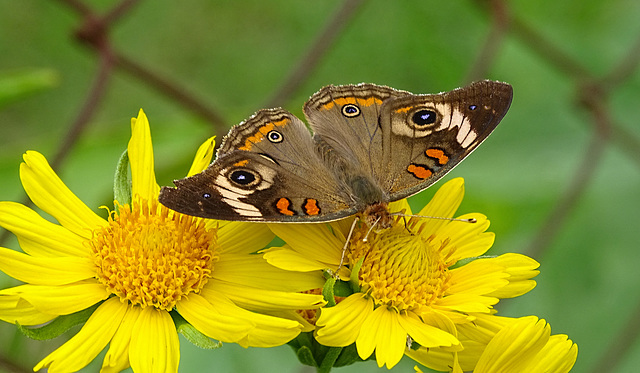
16 85
59 325
122 181
192 334
327 291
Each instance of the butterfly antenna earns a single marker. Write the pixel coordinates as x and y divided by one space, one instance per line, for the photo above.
346 244
366 236
468 220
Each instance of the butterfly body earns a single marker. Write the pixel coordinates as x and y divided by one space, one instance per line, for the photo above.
371 145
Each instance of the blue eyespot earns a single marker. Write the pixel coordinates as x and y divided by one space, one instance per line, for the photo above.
244 177
206 195
424 117
472 107
275 136
350 110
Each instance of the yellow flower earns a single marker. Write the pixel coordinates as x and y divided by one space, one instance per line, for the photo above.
140 264
417 282
521 345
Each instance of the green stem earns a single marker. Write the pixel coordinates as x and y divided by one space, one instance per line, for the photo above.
329 359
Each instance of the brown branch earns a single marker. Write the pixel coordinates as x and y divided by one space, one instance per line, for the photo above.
314 54
94 32
549 51
88 109
592 97
627 66
8 366
499 25
175 92
620 345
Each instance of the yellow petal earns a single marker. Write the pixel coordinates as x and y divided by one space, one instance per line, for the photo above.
558 356
76 353
203 156
254 271
520 269
61 300
515 347
314 241
478 277
219 318
400 205
38 236
467 239
341 324
425 335
467 303
140 149
286 258
117 357
381 331
14 309
444 204
49 193
45 271
207 318
154 342
242 238
262 300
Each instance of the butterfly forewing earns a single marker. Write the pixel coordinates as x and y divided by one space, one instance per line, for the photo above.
425 136
267 169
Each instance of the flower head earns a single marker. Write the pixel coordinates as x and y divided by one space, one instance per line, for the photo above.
416 281
513 345
139 266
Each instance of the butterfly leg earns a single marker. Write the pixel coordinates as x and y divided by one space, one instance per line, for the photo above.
346 244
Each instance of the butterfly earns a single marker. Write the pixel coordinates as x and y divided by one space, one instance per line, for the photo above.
371 145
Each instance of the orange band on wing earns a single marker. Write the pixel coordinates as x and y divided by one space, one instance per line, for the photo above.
262 131
419 171
311 206
352 100
283 205
437 154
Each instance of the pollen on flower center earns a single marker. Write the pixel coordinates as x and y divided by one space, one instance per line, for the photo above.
150 256
402 268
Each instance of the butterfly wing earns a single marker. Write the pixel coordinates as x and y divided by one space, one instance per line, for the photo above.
425 136
345 119
267 169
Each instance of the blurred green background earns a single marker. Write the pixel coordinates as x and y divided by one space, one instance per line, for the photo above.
559 178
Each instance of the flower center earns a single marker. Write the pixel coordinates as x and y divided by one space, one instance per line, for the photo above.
151 256
402 267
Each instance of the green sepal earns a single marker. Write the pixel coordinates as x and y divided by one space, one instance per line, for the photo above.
192 334
59 325
303 347
312 353
342 289
122 181
354 280
327 291
348 356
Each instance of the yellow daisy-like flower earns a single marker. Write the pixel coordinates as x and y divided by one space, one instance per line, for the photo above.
520 345
140 264
409 289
